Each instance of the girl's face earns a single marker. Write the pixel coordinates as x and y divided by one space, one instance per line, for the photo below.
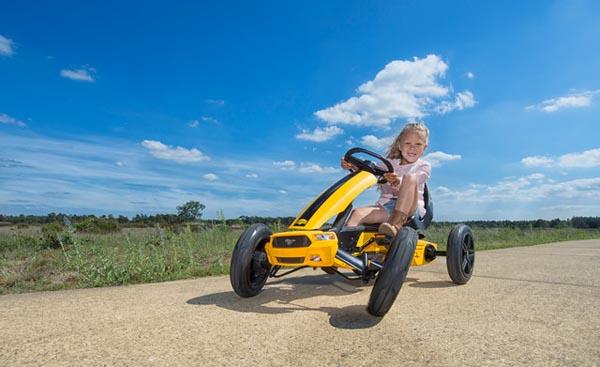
412 146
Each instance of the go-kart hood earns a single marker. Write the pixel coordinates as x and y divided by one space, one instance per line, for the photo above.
333 200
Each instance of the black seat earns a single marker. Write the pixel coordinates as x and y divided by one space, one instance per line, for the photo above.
416 221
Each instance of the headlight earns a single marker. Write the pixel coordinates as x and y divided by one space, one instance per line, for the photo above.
325 237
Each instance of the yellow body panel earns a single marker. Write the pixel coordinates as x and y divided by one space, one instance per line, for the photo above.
335 203
321 253
419 257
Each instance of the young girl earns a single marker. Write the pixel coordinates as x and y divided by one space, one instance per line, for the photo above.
403 192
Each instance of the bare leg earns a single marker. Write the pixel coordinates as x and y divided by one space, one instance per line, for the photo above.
369 214
406 204
408 196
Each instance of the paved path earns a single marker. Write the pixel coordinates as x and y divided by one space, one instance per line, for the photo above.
526 306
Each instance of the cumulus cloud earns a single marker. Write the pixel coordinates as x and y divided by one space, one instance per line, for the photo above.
376 143
194 124
304 167
6 46
587 159
83 74
285 165
436 158
470 75
319 135
574 100
522 189
210 177
6 119
283 192
403 89
177 154
537 161
252 175
315 168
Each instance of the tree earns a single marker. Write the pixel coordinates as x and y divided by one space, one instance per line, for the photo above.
192 210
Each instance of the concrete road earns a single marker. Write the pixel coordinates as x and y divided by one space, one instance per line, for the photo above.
525 306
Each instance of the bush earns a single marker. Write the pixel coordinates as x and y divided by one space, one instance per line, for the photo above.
98 225
53 234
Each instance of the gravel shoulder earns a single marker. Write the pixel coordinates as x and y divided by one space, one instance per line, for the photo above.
537 305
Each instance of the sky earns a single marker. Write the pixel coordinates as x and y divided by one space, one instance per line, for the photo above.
247 107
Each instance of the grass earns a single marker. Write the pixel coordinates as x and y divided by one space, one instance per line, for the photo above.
32 261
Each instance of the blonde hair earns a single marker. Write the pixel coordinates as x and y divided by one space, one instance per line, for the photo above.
417 127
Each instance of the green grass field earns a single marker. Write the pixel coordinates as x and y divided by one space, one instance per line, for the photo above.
32 261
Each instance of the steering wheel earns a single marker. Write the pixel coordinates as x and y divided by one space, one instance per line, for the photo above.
366 165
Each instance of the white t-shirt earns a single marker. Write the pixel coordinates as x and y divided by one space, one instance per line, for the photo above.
421 169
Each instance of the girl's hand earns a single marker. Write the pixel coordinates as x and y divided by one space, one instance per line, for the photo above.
392 178
347 165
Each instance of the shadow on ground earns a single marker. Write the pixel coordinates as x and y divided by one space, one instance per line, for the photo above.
282 296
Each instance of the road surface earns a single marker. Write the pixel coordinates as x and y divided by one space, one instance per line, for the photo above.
530 306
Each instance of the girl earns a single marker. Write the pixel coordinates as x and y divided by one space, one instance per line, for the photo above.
403 192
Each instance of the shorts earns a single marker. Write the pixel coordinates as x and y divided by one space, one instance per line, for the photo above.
389 206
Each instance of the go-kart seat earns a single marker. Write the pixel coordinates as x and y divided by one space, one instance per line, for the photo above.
416 221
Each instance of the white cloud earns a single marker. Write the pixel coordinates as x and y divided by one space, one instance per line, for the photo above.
470 75
524 189
574 100
212 120
210 177
6 119
403 89
119 163
588 159
537 161
304 167
315 168
320 135
376 143
6 46
83 74
285 165
436 158
283 192
216 102
461 101
194 124
178 154
252 175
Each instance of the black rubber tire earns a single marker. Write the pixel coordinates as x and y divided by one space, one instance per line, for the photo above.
390 278
249 265
460 254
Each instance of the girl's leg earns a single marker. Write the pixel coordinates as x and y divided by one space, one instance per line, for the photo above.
369 214
405 206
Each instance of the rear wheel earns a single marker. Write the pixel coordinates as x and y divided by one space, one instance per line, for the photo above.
249 264
460 254
390 278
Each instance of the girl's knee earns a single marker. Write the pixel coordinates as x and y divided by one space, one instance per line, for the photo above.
409 179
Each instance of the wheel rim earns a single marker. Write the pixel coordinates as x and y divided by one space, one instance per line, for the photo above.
259 269
467 254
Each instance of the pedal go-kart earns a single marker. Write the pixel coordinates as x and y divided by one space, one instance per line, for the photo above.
312 242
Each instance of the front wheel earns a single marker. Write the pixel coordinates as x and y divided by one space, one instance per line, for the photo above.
460 254
249 264
390 278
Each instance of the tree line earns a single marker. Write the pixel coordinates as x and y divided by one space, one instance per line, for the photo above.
191 211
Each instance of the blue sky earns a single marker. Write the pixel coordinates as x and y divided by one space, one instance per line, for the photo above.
112 108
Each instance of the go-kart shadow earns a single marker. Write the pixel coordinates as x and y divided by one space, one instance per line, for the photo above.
280 296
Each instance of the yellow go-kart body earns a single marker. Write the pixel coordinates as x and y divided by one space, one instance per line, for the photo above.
308 244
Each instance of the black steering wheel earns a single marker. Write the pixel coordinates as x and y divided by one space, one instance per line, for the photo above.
366 165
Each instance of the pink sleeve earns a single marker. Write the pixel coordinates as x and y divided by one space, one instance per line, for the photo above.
423 172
